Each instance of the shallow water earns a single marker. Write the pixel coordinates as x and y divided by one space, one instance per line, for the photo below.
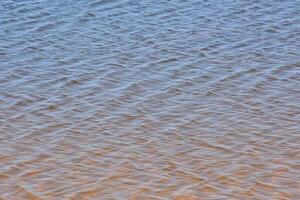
125 99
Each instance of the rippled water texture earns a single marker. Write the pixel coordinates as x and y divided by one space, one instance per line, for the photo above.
150 100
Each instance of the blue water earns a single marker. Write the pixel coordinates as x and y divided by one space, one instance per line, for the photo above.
127 99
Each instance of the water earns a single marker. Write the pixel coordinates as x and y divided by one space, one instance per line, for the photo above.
127 99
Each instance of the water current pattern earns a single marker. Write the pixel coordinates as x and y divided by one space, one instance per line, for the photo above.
150 100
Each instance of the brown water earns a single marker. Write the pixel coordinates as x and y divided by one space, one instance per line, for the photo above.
143 100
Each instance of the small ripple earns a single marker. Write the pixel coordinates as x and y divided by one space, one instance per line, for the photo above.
149 100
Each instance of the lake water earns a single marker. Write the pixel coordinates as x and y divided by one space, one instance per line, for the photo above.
150 100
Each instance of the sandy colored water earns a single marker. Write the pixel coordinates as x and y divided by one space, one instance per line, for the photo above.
150 100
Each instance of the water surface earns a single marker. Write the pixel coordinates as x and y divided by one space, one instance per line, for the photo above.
127 99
